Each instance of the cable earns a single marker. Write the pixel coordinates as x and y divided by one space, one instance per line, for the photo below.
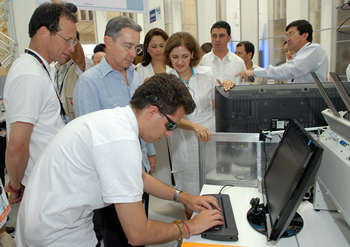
226 185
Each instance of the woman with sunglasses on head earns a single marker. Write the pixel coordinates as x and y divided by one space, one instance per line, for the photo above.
183 54
152 59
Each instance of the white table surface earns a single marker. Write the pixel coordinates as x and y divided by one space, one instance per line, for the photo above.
321 228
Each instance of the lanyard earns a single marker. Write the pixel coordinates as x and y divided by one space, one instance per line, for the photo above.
59 88
63 112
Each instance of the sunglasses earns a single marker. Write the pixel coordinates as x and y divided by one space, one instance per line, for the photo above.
169 126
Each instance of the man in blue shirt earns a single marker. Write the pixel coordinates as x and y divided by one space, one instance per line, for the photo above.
111 84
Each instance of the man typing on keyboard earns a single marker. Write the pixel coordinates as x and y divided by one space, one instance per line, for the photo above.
100 157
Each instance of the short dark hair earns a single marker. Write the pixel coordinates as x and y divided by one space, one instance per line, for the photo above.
146 57
248 47
222 24
206 47
170 91
303 26
48 15
116 24
78 35
100 47
186 39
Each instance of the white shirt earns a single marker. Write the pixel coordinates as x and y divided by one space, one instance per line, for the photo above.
93 162
226 68
147 71
184 143
310 58
30 97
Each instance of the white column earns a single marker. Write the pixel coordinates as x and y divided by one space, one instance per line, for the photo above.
327 39
100 25
206 17
250 25
22 12
296 10
177 16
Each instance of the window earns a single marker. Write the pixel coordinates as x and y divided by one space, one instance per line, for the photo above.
272 25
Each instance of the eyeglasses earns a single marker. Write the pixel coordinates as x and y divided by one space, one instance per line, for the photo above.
289 35
169 126
69 41
131 48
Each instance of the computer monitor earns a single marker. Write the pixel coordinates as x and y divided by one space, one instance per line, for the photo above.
251 108
290 173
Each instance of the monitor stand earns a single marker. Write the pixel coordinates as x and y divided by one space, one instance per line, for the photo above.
258 221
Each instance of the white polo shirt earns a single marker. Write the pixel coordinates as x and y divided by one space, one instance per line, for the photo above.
30 97
92 162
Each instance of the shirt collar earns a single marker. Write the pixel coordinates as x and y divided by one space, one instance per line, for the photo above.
66 65
133 119
106 68
226 56
47 65
302 49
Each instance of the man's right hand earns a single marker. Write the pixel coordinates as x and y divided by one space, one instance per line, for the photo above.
204 220
13 198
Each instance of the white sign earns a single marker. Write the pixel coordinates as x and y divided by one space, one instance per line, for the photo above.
129 6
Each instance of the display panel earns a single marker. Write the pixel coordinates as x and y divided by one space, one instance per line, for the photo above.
289 175
251 108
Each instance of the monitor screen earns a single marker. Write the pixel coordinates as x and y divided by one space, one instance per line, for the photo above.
290 173
251 108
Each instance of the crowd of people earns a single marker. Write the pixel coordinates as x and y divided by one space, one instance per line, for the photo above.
80 156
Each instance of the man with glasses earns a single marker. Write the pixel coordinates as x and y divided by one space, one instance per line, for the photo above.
99 155
34 115
111 84
308 57
224 63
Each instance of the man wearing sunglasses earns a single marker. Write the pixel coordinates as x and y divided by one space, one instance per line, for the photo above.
308 57
100 156
110 84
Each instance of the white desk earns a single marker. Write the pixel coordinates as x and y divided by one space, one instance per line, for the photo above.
320 228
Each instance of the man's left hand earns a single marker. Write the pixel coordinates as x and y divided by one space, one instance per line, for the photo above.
198 203
227 85
153 163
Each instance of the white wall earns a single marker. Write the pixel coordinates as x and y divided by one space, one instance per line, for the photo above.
100 25
297 9
206 17
250 25
22 12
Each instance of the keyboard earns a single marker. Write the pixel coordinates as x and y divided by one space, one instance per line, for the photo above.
228 231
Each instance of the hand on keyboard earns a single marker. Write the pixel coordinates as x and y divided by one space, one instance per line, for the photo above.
205 220
199 203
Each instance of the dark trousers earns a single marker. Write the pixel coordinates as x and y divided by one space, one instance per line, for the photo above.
2 158
112 231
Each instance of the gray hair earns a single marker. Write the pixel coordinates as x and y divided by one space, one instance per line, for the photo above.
116 24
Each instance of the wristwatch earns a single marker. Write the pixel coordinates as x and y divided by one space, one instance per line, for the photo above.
176 195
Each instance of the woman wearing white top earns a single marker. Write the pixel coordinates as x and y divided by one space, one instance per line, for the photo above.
183 54
152 59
